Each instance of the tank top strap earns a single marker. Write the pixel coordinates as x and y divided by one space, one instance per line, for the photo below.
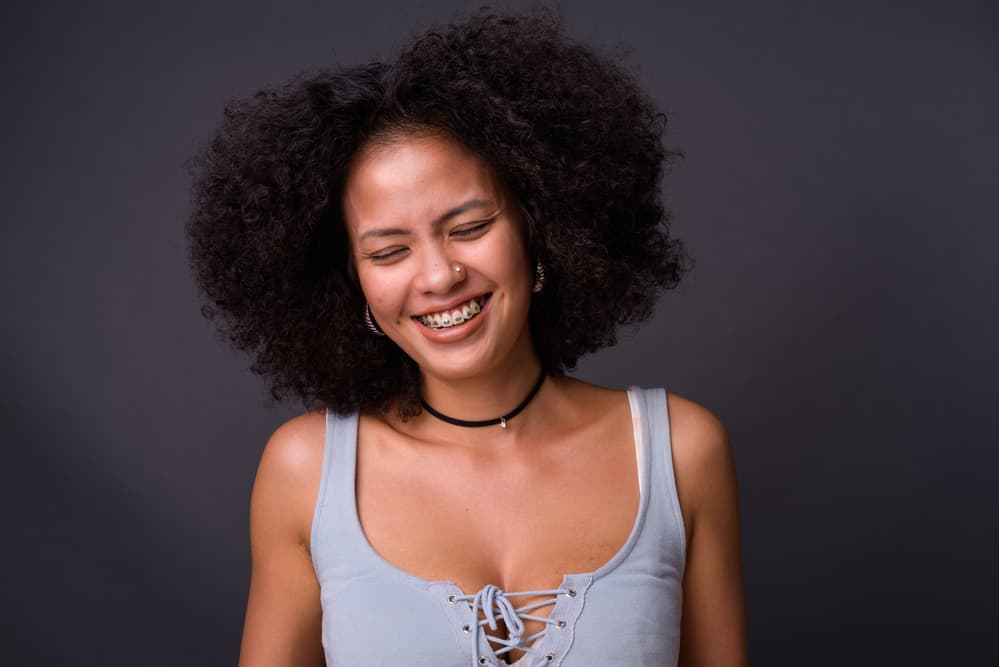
335 498
664 503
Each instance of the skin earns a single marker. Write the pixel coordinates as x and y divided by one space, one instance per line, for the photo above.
420 481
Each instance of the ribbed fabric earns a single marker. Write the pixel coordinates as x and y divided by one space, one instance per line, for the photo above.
627 613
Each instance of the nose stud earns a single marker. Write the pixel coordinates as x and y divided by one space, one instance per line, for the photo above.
457 268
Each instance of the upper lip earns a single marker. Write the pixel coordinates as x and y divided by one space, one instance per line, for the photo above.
451 305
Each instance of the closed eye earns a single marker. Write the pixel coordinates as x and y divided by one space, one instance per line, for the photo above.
381 257
473 230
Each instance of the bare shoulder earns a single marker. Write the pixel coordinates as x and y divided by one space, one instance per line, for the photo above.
288 476
283 611
696 433
713 620
702 456
296 445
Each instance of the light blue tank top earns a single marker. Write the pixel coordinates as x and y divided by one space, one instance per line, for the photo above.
626 614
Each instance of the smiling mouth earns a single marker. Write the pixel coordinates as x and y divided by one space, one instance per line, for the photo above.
453 317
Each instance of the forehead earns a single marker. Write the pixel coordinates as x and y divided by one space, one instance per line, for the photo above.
412 180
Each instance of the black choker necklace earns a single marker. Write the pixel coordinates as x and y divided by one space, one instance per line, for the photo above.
488 422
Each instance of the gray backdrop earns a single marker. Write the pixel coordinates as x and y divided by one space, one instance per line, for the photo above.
841 319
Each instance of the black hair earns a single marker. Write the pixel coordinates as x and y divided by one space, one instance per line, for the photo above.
570 134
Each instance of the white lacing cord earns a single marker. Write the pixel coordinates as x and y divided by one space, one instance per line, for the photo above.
492 599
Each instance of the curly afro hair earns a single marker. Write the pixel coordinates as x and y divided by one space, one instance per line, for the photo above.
574 140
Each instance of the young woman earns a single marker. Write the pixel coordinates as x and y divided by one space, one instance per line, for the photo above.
421 250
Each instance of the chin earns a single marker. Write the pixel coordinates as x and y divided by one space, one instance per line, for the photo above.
459 361
457 368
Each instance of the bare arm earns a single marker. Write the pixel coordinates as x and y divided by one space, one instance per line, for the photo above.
283 614
713 630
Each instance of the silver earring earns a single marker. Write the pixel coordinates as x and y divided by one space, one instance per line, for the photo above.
539 277
457 268
370 321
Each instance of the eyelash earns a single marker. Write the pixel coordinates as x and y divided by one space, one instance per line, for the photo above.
468 231
461 233
388 255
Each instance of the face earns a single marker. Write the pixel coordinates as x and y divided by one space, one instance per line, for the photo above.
416 209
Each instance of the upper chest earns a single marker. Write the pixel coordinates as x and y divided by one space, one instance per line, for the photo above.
519 518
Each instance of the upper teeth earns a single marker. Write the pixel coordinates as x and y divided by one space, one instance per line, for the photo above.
448 318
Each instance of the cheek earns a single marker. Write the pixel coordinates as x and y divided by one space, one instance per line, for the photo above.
372 287
518 263
385 290
510 253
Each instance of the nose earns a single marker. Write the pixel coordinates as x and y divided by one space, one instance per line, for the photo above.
437 272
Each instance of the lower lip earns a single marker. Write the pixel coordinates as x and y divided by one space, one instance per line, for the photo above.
457 332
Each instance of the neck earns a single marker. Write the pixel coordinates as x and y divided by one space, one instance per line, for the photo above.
502 421
485 396
490 393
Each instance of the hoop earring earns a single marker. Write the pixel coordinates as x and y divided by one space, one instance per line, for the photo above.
539 277
370 321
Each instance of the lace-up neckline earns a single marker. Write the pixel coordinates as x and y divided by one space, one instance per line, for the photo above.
492 600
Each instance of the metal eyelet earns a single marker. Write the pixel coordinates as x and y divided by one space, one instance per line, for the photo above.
452 599
549 657
466 629
572 592
483 661
561 623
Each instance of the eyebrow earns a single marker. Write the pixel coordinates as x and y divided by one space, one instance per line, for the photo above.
457 210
